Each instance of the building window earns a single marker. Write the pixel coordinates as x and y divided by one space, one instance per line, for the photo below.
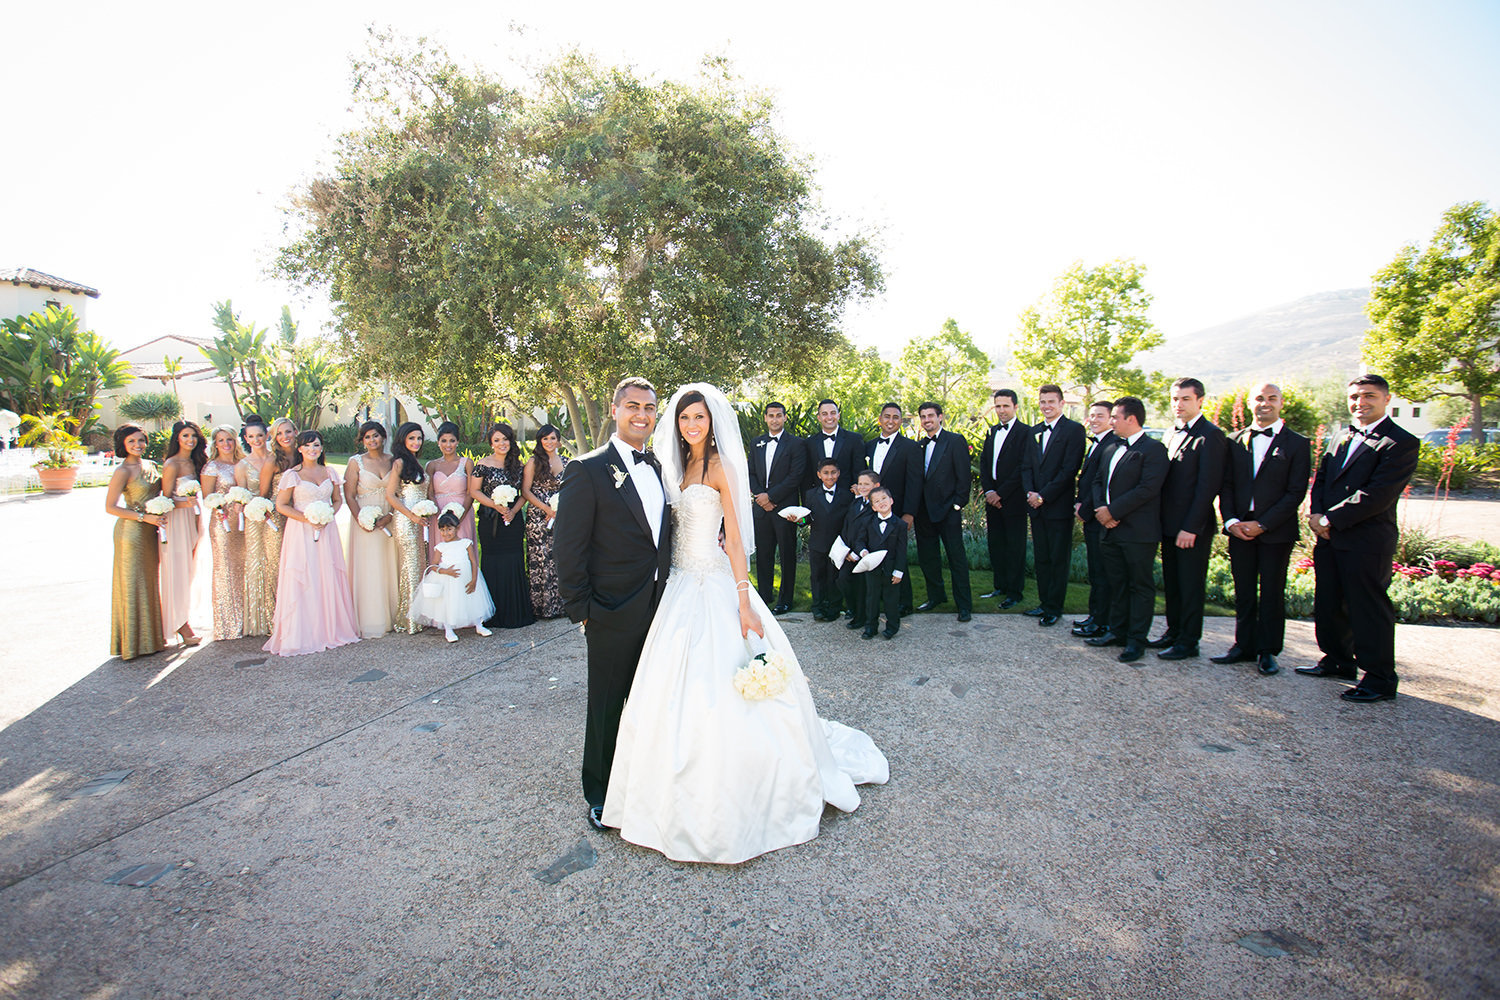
1395 411
1416 411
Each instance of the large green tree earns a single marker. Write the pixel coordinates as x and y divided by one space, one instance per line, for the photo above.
48 365
559 235
1084 334
1437 313
947 367
281 378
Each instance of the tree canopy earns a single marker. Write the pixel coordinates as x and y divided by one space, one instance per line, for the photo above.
1437 313
48 365
947 367
553 238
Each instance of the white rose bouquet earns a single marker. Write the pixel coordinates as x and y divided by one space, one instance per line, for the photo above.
553 519
190 488
160 506
765 676
241 496
424 509
259 509
504 494
456 509
319 513
215 503
369 515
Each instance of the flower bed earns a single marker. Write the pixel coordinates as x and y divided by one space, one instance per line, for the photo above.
1419 593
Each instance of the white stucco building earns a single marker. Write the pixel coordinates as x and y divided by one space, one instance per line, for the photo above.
25 290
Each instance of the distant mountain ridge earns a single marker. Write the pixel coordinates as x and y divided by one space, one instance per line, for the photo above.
1306 341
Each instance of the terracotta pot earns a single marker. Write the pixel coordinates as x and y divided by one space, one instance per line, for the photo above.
58 480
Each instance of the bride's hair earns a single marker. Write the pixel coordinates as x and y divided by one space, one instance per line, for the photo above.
688 399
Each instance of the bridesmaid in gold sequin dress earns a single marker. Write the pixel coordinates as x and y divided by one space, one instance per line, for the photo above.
135 602
225 537
260 573
371 557
284 450
540 488
405 486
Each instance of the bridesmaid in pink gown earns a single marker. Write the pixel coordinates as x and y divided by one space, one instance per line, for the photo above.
314 606
187 453
449 477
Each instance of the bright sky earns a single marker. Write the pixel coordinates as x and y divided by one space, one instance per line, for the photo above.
1247 153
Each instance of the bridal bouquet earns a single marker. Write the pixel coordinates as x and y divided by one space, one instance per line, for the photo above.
369 515
423 508
319 513
215 503
259 509
190 488
765 676
241 496
160 506
504 494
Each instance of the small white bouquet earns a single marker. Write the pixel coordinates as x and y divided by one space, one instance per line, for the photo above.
160 506
241 496
259 509
456 509
215 503
504 494
553 519
319 513
369 515
423 508
190 488
765 676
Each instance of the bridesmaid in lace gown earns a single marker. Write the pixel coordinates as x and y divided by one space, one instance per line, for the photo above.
542 482
186 456
502 531
254 474
314 611
225 537
372 551
450 484
404 487
135 627
284 450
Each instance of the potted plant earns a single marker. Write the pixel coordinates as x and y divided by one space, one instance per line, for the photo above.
58 470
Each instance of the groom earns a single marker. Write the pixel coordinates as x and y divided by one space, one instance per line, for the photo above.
613 548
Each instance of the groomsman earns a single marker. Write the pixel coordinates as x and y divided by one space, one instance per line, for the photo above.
832 441
1126 500
1099 439
1265 479
1353 513
945 490
778 462
1004 501
899 461
1049 475
1195 472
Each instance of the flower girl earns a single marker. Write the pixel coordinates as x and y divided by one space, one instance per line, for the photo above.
452 594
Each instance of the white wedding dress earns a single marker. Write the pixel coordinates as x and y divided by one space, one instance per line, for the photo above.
701 774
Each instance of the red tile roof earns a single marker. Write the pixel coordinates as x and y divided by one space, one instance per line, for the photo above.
40 279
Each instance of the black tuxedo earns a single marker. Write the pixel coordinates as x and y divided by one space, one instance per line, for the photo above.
773 533
1053 474
880 594
1271 497
1093 531
1195 474
1354 618
610 573
946 483
1132 492
1005 528
848 451
827 517
901 473
851 586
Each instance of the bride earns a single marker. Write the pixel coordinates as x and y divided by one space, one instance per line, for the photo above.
700 773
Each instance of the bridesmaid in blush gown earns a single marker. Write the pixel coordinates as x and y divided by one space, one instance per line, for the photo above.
450 484
372 551
540 487
404 488
502 532
225 537
182 469
314 611
254 474
135 627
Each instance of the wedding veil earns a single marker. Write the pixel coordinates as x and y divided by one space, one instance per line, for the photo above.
726 432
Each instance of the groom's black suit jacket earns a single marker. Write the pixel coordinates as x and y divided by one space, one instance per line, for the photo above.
608 569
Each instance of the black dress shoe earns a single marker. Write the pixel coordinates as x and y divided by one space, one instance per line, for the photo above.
868 633
889 633
1049 620
904 611
1131 653
781 609
991 595
964 616
1362 695
854 623
1268 665
1009 603
596 818
1164 642
1235 655
1179 653
1034 612
1083 622
1104 639
1087 631
929 605
1324 670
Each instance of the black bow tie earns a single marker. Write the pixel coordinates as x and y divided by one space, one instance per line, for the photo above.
646 457
931 440
1267 432
1367 434
830 437
1093 440
1005 427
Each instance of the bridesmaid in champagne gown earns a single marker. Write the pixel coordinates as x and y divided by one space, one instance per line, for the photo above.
284 450
182 469
404 488
314 610
254 474
225 537
372 552
135 627
540 488
450 484
502 532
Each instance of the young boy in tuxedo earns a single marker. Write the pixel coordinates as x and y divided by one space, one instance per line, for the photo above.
827 505
883 583
851 586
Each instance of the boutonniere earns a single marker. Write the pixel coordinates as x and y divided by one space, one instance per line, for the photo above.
760 444
620 475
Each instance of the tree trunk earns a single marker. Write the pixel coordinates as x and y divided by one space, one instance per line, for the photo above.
1476 419
575 418
598 423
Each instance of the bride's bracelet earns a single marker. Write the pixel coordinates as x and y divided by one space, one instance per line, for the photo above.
741 584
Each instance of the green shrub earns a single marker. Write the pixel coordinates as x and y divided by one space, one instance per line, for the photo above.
159 408
1471 466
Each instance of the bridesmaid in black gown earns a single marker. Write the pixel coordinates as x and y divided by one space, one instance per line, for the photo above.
502 530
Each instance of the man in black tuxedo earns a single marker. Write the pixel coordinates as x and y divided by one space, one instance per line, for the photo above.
1049 475
850 585
1126 500
898 460
778 462
946 477
1353 513
826 507
1004 501
613 547
832 441
1265 479
1099 438
1195 473
883 531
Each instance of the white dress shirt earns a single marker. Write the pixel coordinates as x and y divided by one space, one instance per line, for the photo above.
882 449
647 486
771 444
1001 433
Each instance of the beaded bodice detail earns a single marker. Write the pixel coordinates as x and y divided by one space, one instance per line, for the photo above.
696 519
